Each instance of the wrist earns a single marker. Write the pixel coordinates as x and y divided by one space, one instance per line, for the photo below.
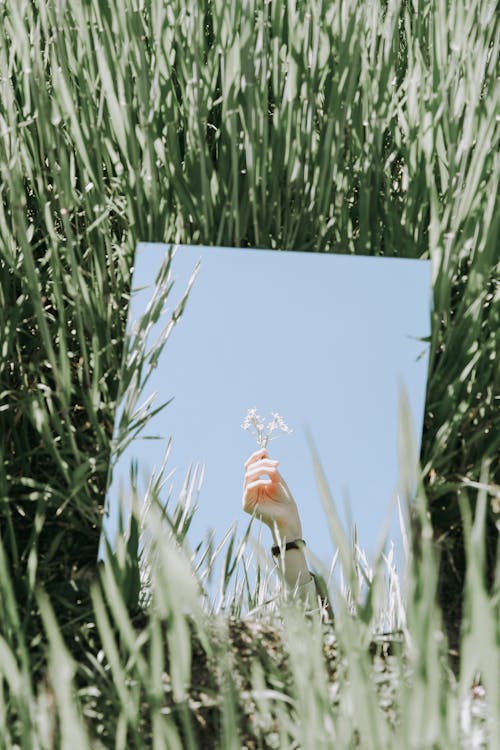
287 546
286 531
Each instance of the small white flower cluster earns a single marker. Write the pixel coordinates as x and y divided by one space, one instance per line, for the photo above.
255 423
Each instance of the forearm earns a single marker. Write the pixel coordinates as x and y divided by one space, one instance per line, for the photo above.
295 568
297 575
300 580
294 563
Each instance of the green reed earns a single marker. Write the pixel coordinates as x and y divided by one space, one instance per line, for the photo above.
366 128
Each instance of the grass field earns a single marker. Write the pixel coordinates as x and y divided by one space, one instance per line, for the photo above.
368 128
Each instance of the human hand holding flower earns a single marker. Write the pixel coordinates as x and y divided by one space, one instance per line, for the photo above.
266 494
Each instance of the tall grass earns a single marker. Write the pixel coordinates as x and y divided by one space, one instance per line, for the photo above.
178 675
332 127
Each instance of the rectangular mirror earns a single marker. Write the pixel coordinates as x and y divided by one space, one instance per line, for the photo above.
327 341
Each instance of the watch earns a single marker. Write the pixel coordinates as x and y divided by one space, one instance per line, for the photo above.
295 544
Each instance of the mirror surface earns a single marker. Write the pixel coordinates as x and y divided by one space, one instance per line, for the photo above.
324 340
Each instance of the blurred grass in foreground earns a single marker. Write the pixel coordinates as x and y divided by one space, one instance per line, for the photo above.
176 674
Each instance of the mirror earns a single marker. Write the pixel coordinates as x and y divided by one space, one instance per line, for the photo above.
324 340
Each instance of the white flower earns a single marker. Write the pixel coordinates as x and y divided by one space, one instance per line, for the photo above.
252 419
254 422
278 423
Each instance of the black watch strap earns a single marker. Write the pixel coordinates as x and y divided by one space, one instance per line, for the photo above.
295 544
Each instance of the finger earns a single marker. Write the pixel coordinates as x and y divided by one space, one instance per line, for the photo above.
258 475
255 494
257 456
256 471
258 484
263 465
259 467
261 453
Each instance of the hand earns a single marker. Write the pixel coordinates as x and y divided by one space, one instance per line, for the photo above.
266 494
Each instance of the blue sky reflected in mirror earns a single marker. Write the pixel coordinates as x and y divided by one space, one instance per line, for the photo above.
325 340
